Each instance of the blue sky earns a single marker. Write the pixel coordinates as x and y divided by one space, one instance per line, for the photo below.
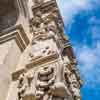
82 25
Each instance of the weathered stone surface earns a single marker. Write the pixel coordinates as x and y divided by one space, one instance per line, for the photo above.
35 53
9 56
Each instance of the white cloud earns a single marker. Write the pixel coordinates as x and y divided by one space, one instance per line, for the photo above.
71 7
88 59
94 28
93 20
95 32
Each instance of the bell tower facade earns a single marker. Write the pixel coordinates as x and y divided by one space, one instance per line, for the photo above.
38 55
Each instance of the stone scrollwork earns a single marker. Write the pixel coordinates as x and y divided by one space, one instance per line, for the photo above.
46 86
37 23
43 24
73 83
24 87
46 78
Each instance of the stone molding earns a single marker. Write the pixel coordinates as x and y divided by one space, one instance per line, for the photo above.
68 50
41 61
44 4
35 64
17 33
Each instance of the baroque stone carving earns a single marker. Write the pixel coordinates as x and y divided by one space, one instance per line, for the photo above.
43 24
46 87
73 84
46 78
25 87
22 85
51 79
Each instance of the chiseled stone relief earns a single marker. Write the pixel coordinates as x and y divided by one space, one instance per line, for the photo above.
43 24
40 1
44 84
73 83
54 78
53 81
42 48
44 31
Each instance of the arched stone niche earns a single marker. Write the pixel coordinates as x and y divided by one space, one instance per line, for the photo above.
8 13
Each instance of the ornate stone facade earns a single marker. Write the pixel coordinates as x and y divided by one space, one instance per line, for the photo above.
46 66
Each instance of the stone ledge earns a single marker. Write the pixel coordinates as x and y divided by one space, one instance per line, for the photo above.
17 33
33 64
45 4
41 61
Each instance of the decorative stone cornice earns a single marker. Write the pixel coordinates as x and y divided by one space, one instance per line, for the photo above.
17 33
34 64
68 50
16 74
44 4
42 60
